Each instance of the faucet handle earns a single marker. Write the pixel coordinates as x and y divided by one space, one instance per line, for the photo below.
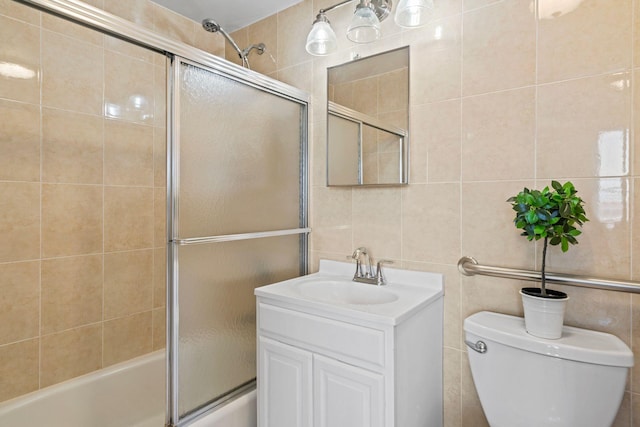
379 276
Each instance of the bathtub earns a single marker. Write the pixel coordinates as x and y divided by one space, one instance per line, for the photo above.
130 394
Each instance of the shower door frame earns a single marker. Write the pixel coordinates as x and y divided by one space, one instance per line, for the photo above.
107 23
173 186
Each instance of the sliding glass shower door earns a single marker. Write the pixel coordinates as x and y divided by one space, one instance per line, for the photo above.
237 221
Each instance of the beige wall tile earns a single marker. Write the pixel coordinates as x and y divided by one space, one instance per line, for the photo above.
636 33
72 147
20 301
70 29
300 76
567 47
128 283
123 47
594 135
20 221
159 328
21 47
241 37
70 354
435 142
425 222
18 369
378 221
159 217
13 9
293 28
160 92
72 74
139 12
209 42
481 293
318 150
488 233
19 141
332 219
159 277
635 345
636 123
624 417
128 154
635 232
603 247
436 60
452 391
71 220
499 128
393 93
127 337
264 31
475 4
365 96
71 292
172 25
128 221
159 157
128 89
499 50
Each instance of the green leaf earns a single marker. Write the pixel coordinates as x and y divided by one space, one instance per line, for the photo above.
575 232
556 185
565 244
531 217
554 240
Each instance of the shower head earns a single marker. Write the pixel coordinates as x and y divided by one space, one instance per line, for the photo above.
210 25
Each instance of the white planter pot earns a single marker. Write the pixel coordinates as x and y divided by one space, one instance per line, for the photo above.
544 317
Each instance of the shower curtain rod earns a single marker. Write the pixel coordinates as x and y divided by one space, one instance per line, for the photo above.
470 267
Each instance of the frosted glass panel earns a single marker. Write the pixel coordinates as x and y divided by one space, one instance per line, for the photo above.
217 311
239 157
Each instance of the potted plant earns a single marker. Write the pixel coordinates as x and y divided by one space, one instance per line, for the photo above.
550 215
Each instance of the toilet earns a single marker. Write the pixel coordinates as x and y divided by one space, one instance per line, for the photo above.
526 381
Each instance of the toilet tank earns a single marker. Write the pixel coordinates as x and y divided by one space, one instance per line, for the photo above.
526 381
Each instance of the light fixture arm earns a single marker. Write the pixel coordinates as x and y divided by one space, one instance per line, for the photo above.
382 8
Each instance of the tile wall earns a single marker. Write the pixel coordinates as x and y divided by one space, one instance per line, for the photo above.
82 192
504 94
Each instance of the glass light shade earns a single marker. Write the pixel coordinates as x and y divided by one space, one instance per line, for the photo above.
321 39
413 13
365 25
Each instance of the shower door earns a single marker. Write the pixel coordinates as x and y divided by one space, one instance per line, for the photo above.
237 220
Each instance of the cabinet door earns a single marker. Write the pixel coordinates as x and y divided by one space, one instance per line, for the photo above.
346 396
284 385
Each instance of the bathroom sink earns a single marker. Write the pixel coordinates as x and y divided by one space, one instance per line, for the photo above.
332 292
346 292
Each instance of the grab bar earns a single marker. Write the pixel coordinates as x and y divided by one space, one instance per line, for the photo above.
469 267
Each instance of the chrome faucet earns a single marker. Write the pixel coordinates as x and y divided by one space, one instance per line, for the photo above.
368 276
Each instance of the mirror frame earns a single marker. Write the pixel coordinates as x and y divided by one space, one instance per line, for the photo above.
362 119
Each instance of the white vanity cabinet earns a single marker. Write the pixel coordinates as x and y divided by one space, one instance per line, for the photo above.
348 365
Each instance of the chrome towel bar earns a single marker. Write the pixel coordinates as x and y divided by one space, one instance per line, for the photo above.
470 267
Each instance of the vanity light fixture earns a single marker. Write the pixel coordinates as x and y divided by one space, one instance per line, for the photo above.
413 13
364 27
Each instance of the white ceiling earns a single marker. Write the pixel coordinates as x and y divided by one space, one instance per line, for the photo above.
230 14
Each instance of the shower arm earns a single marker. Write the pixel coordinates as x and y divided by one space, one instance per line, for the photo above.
245 60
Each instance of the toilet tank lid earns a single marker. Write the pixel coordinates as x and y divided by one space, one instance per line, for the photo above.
577 344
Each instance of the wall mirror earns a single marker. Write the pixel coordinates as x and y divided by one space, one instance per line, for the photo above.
368 121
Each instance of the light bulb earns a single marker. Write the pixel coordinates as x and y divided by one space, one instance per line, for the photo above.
413 13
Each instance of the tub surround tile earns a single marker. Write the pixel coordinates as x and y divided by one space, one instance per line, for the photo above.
122 47
128 89
70 29
172 25
159 328
19 141
159 277
567 47
15 10
128 218
20 301
72 74
128 279
159 157
20 221
18 369
127 337
21 48
72 147
70 353
71 292
128 154
71 219
207 41
140 12
160 92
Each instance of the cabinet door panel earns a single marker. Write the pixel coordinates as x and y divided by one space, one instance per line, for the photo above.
346 396
284 385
